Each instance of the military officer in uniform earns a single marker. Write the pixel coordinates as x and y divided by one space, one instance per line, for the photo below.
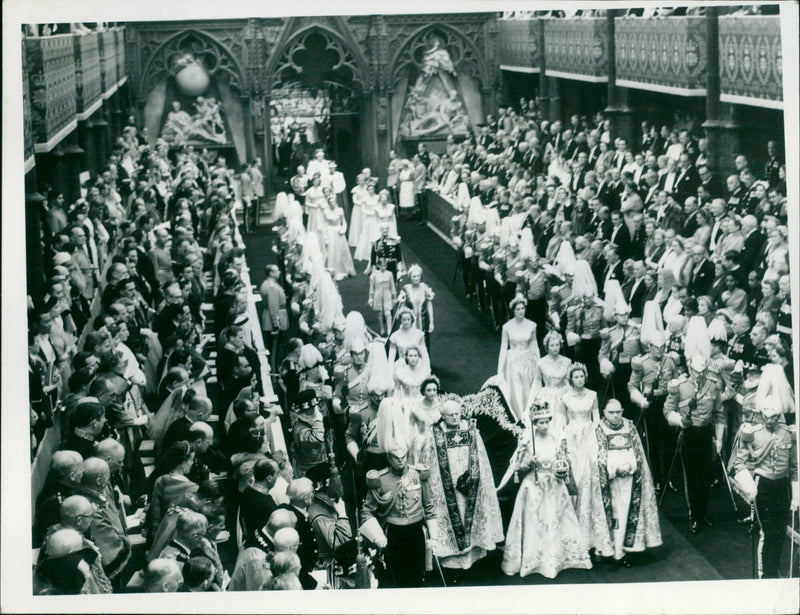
619 346
509 270
482 266
533 285
647 388
308 432
584 321
694 406
400 501
766 467
387 247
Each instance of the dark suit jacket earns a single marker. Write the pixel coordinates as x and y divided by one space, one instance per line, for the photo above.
307 551
255 508
637 299
701 278
753 250
179 430
686 184
713 187
616 274
622 239
690 225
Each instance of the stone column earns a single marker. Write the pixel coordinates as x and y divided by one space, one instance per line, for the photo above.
269 163
116 116
34 246
721 125
249 144
618 111
368 130
99 128
86 143
543 100
53 170
554 108
74 165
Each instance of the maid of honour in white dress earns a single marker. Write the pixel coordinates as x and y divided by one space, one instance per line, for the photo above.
519 356
583 416
550 381
370 230
337 253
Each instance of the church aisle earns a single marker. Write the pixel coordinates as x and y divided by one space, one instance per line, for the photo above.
464 355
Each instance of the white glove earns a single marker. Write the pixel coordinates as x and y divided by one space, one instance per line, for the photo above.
675 419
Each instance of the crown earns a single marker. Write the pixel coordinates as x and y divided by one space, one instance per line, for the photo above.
540 409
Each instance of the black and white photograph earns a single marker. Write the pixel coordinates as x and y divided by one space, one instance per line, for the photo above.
441 307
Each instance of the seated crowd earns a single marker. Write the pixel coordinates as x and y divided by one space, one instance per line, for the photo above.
176 469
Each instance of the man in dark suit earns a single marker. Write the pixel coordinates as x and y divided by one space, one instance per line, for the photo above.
88 421
256 504
711 184
620 235
690 224
638 290
702 273
593 144
687 181
650 187
754 242
578 175
669 179
301 496
613 268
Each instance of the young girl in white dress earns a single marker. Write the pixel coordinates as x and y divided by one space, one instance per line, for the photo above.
409 375
382 295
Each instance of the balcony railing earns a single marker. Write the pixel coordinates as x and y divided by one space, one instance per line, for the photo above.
27 126
51 73
666 54
576 48
89 86
519 44
108 61
120 41
751 60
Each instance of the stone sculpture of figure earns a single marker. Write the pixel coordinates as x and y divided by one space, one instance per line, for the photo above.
433 103
437 59
452 113
177 126
207 122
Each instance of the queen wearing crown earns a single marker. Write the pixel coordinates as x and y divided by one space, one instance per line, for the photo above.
544 535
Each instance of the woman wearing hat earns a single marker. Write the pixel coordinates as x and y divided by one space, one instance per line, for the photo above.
544 535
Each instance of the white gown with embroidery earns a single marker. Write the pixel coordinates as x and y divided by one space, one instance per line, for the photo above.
544 535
